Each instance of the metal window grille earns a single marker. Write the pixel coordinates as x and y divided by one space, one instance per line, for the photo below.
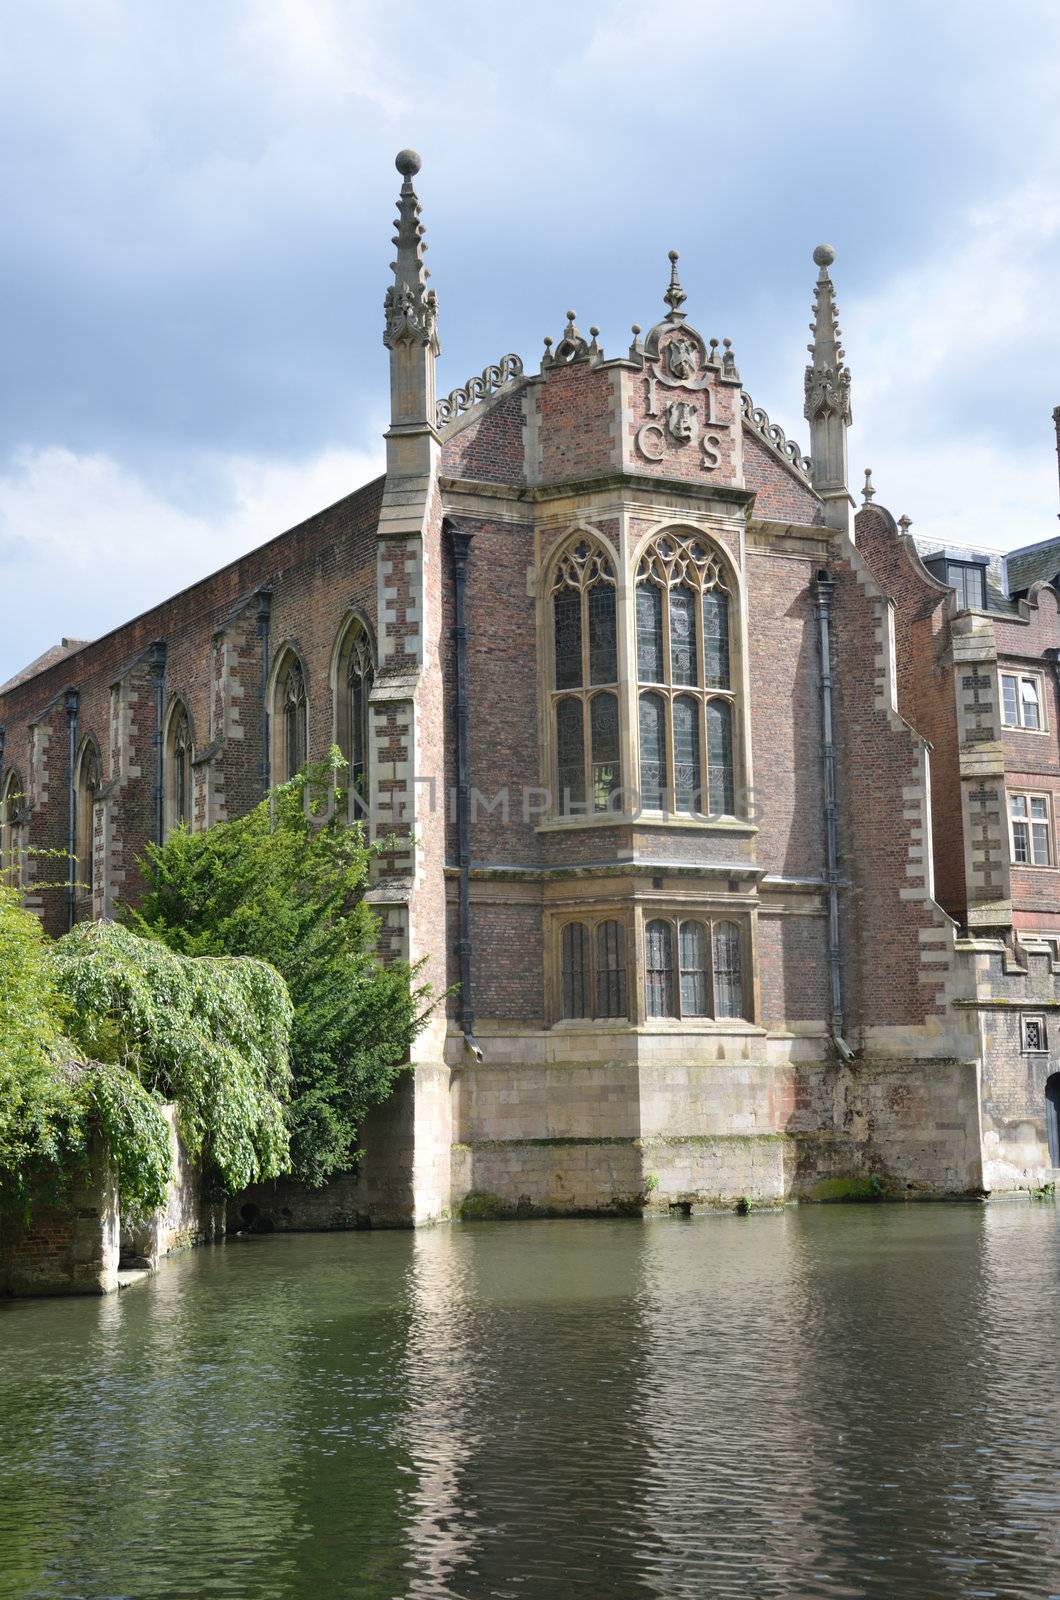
610 969
695 970
575 967
728 983
659 968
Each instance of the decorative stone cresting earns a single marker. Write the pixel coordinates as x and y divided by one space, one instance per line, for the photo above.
480 387
774 435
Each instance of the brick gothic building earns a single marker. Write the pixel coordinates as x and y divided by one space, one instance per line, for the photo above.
730 816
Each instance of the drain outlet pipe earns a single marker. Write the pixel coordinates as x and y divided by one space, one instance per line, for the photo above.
460 547
73 711
825 587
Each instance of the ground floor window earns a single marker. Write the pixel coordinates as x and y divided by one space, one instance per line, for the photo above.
593 969
706 957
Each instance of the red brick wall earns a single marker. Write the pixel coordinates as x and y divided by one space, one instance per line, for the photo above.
1032 760
491 449
577 418
925 690
779 496
316 571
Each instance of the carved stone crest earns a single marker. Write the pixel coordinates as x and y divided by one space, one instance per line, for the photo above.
681 359
682 420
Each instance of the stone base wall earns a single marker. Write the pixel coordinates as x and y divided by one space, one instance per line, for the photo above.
1010 985
621 1137
71 1249
77 1248
186 1219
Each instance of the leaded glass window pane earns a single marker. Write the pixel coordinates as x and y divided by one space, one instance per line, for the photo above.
649 633
687 781
659 969
575 963
610 970
716 638
652 751
567 609
728 986
719 758
360 686
695 970
294 720
570 750
603 721
603 634
683 635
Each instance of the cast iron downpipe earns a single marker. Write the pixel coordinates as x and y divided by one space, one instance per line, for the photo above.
264 620
825 586
73 707
157 659
460 546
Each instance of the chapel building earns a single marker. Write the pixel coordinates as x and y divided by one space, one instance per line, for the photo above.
724 819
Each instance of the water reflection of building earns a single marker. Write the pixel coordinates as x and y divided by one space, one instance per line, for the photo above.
526 1357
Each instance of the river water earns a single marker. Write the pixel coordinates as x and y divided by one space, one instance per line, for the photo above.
833 1401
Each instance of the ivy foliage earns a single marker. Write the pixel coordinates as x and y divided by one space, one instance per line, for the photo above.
98 1029
42 1106
286 884
209 1034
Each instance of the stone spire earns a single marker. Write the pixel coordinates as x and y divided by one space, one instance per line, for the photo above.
411 332
827 407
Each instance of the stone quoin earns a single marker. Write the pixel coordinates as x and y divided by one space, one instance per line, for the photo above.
724 813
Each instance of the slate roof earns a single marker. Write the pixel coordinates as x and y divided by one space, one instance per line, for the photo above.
1033 562
43 662
997 594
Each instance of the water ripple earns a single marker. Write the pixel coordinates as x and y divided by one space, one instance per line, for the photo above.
827 1404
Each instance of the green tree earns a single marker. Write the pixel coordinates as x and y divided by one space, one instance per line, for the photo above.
41 1108
211 1035
286 883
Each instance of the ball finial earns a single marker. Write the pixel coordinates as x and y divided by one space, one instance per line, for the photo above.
408 163
674 255
824 255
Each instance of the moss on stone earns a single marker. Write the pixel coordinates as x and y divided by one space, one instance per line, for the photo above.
846 1190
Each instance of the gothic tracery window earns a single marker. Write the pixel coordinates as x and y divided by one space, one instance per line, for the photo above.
12 801
686 701
87 783
289 719
588 768
178 756
355 674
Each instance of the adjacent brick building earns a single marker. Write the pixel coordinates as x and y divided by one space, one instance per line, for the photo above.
726 819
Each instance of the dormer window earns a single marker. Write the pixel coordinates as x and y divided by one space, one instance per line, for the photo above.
967 577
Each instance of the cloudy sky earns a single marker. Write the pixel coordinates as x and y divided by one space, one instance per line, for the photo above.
199 195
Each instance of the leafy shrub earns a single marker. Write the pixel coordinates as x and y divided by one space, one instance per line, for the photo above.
285 883
209 1034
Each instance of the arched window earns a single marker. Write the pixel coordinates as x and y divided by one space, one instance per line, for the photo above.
87 783
178 754
684 673
12 806
588 769
593 970
708 961
289 718
355 673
